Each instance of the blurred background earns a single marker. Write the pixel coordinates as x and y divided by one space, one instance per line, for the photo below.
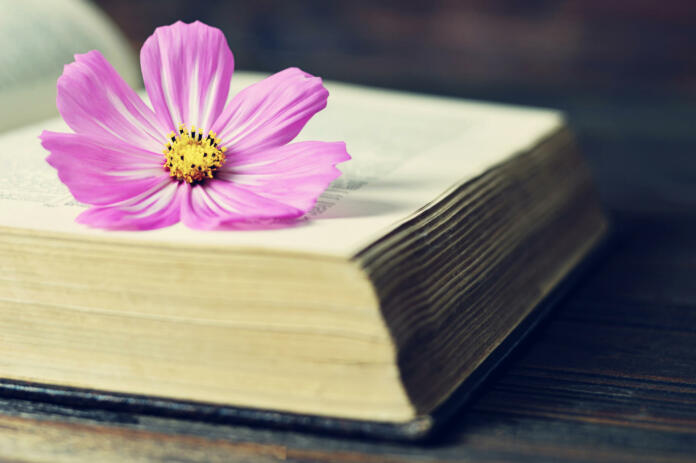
624 71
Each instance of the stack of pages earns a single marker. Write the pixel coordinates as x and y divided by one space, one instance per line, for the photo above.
451 224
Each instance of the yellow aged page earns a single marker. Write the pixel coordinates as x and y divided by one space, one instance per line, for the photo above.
407 151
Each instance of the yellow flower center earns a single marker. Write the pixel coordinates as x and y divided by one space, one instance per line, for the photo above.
191 157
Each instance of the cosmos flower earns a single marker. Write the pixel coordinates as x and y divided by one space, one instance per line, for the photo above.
191 156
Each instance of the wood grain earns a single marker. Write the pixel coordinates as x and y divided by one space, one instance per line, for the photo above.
610 377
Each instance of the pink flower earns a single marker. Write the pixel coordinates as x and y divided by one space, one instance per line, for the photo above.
192 157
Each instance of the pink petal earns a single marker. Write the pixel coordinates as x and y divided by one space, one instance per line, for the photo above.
271 112
217 204
294 174
102 174
157 208
187 70
93 99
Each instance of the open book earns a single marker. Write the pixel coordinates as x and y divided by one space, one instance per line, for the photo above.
416 268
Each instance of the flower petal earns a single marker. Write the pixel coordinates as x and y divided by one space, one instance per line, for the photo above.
93 99
294 174
157 208
187 70
271 112
217 204
102 174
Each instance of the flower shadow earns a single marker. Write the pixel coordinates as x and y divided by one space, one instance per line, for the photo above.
344 209
352 208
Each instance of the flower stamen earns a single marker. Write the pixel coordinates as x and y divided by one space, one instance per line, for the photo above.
191 157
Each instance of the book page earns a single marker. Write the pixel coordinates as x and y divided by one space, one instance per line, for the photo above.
41 36
407 151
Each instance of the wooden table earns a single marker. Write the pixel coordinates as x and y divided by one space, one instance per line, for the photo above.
609 377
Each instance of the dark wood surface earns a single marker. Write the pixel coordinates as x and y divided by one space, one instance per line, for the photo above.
609 377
